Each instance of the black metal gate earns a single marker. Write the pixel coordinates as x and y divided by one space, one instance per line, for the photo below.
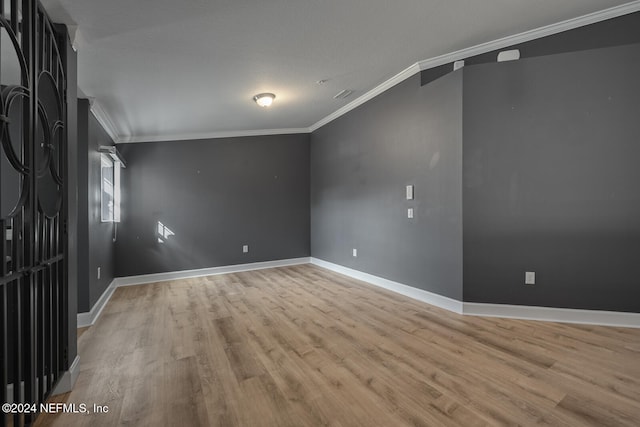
33 286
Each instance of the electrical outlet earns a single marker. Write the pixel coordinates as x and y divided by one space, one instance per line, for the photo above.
245 249
530 278
355 253
98 273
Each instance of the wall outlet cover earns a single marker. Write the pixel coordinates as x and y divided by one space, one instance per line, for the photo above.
530 278
355 252
410 213
245 249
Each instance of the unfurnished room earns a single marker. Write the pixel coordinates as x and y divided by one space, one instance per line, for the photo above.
319 213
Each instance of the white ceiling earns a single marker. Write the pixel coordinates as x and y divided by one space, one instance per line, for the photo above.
167 69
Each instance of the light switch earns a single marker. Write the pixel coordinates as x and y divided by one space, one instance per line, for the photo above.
245 249
409 192
410 213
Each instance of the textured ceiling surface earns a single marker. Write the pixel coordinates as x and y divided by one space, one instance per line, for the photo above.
183 69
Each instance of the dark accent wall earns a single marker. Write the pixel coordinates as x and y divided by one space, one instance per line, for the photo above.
101 234
551 173
94 236
83 206
613 32
71 194
542 151
215 196
609 33
431 74
361 164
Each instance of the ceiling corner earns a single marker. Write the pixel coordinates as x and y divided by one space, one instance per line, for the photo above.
105 121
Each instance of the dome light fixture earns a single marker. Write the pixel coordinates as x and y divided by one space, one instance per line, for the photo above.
264 99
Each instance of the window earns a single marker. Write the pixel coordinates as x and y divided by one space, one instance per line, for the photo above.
110 200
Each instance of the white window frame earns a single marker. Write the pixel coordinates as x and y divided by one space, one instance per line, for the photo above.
110 191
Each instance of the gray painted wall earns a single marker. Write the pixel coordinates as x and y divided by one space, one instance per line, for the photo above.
360 165
101 234
95 238
72 197
551 152
216 196
548 178
83 206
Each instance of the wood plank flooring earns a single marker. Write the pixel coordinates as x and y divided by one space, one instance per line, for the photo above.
302 346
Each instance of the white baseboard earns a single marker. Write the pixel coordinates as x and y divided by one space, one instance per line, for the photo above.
546 314
549 314
69 378
65 384
10 393
88 319
409 291
552 314
188 274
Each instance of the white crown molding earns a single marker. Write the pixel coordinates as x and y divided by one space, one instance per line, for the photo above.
388 84
211 135
479 49
72 32
104 119
527 36
458 55
399 288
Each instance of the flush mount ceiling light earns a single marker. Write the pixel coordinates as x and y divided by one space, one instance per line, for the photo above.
264 99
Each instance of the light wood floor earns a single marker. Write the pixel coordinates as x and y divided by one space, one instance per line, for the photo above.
301 346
